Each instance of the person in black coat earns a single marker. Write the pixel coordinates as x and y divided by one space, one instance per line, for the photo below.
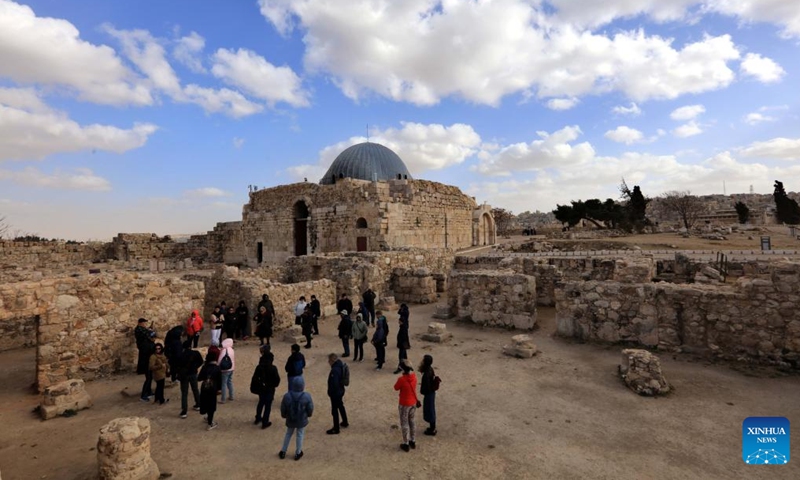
345 304
336 390
345 331
369 304
242 316
265 380
263 321
173 347
403 341
316 310
146 346
188 363
211 378
307 322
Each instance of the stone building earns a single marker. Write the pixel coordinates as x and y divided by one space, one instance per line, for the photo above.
367 201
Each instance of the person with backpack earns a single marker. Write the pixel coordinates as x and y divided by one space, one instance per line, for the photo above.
428 387
406 384
263 321
190 360
296 407
359 337
264 382
242 316
379 339
307 323
295 363
146 346
338 379
227 364
194 325
345 330
159 368
211 378
403 342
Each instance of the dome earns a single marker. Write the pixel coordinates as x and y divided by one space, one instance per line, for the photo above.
366 161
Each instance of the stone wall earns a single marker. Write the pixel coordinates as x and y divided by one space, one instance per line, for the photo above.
130 247
47 254
414 286
756 320
353 272
20 304
86 330
230 284
499 298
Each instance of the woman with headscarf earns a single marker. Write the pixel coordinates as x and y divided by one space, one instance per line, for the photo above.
263 321
194 325
242 316
428 387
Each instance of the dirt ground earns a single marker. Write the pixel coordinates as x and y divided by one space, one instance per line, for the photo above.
562 415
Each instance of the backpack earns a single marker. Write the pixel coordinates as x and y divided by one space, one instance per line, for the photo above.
208 385
225 363
257 382
436 383
345 375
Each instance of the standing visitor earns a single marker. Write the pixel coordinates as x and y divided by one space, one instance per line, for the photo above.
211 379
299 308
242 317
403 342
265 380
379 339
230 322
190 361
263 321
267 303
369 303
194 325
159 369
216 325
344 303
428 387
227 363
146 345
407 385
359 337
316 311
338 379
295 363
345 330
307 322
173 347
296 408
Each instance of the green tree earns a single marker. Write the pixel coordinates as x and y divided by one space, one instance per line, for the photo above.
742 211
502 220
601 214
634 214
786 209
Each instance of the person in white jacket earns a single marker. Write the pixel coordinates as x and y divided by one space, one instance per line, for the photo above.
227 371
299 308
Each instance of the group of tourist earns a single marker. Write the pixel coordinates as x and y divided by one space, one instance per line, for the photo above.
214 376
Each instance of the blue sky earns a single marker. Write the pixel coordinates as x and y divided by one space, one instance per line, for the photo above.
155 116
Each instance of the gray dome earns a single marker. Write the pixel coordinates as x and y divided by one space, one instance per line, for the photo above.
366 161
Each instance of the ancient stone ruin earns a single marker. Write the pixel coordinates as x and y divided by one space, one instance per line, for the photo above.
641 372
522 346
123 450
437 333
68 396
493 298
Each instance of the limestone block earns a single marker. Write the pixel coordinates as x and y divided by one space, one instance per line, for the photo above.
522 346
294 334
443 312
437 332
123 450
641 372
63 396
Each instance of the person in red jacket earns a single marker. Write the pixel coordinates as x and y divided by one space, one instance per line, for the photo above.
194 325
407 385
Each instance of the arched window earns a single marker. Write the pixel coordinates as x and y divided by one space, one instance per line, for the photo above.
361 223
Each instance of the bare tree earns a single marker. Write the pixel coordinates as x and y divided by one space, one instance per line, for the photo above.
4 227
502 220
687 206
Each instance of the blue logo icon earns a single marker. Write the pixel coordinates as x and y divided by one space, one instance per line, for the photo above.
765 441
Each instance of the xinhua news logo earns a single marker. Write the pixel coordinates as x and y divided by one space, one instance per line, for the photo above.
765 441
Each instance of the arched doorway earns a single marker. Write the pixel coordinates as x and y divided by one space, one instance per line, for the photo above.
361 235
300 228
487 229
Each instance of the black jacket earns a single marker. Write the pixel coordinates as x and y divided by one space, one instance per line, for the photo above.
345 327
295 364
369 299
267 373
188 363
315 308
426 384
344 304
336 380
402 336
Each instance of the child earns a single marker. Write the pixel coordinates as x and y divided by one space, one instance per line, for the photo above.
160 370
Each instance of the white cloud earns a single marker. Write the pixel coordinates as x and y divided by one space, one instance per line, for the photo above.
626 135
687 113
755 118
633 110
562 103
49 51
187 51
224 100
780 12
81 179
553 150
206 192
688 129
35 132
256 76
763 69
777 148
418 52
238 142
422 147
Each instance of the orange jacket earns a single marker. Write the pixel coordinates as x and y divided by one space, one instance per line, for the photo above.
407 384
194 324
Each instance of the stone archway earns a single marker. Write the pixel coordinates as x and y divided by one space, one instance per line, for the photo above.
301 216
361 235
486 235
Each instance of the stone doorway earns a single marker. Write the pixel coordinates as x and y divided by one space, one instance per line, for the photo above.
260 252
361 239
361 244
300 228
